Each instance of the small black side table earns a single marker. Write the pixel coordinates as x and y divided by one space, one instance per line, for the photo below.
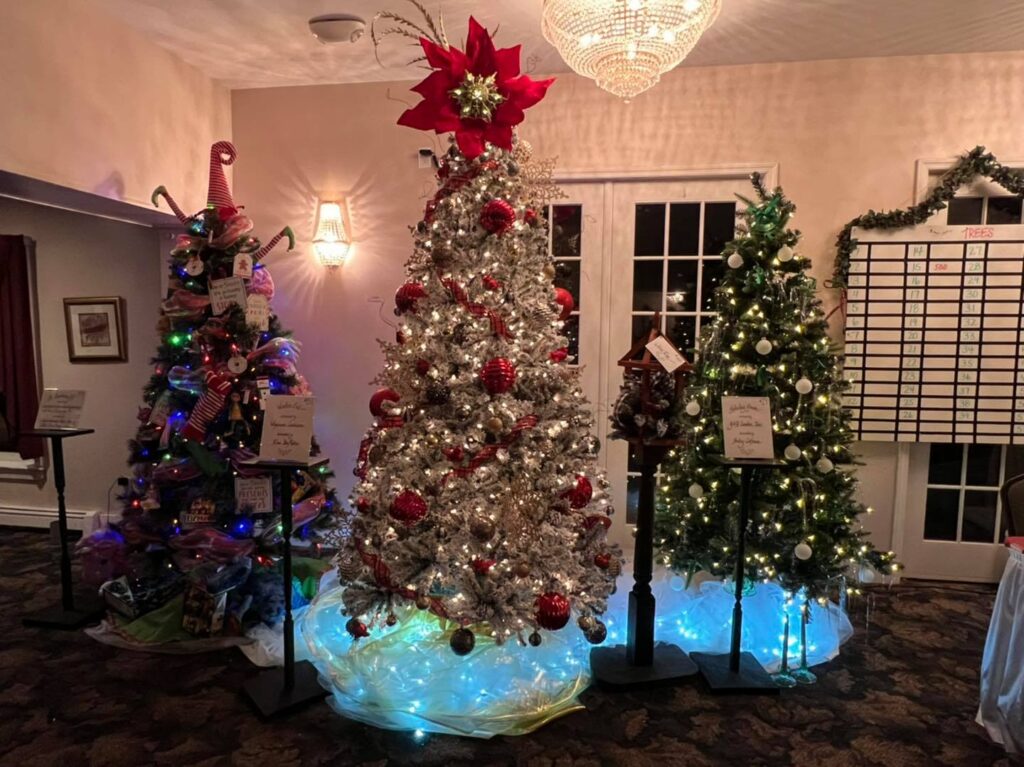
641 663
277 691
739 672
67 615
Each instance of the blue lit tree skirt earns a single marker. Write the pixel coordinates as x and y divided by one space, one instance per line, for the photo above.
407 678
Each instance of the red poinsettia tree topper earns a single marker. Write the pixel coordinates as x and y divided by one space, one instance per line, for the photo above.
479 94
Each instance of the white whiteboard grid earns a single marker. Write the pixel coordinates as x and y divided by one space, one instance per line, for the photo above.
933 335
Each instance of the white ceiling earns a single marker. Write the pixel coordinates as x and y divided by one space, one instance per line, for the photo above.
261 43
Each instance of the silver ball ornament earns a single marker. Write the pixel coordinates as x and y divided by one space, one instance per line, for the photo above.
792 452
824 465
735 261
693 408
696 491
785 253
803 551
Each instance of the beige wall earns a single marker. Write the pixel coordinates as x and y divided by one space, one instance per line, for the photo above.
89 104
846 135
81 255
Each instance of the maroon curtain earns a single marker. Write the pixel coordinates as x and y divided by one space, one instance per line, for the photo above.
18 382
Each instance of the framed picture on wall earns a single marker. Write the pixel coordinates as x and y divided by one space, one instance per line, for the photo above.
95 328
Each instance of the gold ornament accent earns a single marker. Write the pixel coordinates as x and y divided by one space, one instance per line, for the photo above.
539 186
477 96
494 425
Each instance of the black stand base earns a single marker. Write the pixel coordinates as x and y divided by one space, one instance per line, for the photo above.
85 612
266 690
612 669
751 679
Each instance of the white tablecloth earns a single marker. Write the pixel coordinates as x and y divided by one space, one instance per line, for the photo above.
1001 712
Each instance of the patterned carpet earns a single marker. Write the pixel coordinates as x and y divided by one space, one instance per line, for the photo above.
903 693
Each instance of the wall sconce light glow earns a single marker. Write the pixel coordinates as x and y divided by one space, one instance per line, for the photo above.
331 242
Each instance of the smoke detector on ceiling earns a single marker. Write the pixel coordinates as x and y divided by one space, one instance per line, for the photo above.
337 28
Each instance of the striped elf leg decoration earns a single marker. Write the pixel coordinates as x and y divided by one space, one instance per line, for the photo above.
272 242
161 191
209 406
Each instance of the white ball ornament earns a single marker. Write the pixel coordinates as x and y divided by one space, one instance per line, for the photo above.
735 261
803 551
785 254
866 574
696 491
824 465
692 408
804 386
792 453
764 346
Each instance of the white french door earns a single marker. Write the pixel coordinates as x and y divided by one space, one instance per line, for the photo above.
644 247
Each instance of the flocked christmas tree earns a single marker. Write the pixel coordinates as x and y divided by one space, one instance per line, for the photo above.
770 339
480 499
192 499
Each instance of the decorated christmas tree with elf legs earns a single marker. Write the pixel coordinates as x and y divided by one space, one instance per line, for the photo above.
193 505
480 500
769 339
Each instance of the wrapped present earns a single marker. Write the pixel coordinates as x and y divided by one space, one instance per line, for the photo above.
203 612
132 597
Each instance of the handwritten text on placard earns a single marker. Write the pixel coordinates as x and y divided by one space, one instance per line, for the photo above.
225 293
747 427
666 353
287 428
60 409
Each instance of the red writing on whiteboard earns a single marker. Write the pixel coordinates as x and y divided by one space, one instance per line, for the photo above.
978 232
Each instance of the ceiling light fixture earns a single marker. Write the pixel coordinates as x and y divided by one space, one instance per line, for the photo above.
626 45
337 28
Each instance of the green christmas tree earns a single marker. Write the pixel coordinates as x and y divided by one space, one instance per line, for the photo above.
769 339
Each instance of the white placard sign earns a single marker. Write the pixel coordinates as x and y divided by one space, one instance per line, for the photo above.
225 293
287 428
667 354
257 311
254 493
747 427
934 348
242 266
60 409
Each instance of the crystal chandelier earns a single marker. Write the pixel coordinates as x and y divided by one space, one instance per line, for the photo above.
625 45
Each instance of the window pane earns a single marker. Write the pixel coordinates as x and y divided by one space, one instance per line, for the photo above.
632 498
964 210
647 285
682 286
983 465
1003 210
944 464
571 330
683 228
566 227
683 333
634 461
567 275
711 276
1014 460
719 226
641 324
979 516
649 238
940 513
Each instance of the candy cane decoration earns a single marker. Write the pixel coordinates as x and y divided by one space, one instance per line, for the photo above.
221 153
161 191
209 406
272 242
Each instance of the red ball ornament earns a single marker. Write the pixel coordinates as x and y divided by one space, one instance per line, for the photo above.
552 611
356 628
408 507
422 367
603 560
483 566
597 519
559 355
530 217
363 504
491 283
564 299
407 296
429 210
454 454
399 337
378 399
497 216
498 375
580 495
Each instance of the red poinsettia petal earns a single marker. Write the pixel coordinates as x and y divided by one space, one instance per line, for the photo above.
423 116
437 56
524 92
434 87
480 50
471 142
499 135
507 60
509 114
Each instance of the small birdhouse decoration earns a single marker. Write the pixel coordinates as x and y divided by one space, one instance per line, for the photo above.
654 379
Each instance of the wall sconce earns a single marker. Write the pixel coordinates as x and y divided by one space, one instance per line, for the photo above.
331 242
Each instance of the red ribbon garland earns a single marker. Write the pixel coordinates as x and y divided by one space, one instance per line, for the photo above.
382 576
488 453
498 326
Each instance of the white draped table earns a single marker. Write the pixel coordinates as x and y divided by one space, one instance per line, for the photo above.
1001 712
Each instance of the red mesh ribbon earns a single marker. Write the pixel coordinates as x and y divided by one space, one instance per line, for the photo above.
498 326
488 453
840 307
382 577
